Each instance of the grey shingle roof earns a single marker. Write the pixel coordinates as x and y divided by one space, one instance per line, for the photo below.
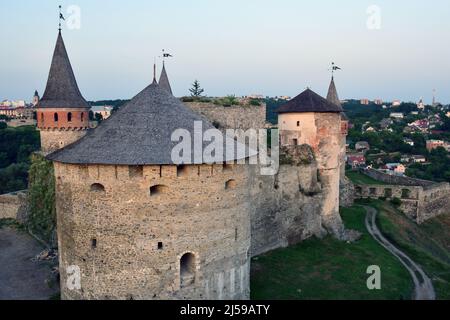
139 133
164 80
62 89
309 101
332 95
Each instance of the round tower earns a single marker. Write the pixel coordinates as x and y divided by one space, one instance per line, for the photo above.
132 224
62 113
312 120
333 97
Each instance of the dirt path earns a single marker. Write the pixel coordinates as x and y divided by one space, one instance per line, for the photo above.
21 278
424 289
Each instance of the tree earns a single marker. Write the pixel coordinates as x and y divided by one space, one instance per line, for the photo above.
196 90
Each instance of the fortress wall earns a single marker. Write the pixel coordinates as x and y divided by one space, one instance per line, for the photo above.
128 240
287 207
13 205
233 117
396 180
435 200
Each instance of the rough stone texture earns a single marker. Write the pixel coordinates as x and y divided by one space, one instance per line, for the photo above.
287 207
233 117
52 140
346 193
198 213
417 202
13 206
396 180
322 132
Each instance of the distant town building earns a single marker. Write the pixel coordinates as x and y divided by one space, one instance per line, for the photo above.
434 144
421 105
36 99
365 102
356 160
409 141
362 146
397 115
394 168
378 102
396 103
104 111
386 123
419 159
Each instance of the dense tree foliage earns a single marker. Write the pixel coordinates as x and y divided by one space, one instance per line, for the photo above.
16 146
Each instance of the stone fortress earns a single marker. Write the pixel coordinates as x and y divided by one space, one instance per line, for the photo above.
138 226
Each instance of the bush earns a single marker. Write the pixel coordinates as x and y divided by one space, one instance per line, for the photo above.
396 202
255 102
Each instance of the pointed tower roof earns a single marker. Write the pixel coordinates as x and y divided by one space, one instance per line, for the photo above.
332 95
62 89
309 101
139 133
164 80
36 94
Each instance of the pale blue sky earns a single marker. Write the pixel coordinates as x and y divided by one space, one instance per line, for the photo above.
233 47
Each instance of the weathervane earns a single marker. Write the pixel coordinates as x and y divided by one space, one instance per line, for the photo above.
334 68
61 17
166 55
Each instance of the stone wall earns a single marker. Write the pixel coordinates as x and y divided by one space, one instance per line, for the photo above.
52 140
128 229
233 117
13 206
396 180
417 202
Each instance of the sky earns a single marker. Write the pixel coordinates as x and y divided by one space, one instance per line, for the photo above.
399 50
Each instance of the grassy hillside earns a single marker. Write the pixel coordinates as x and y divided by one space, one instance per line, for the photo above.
427 244
329 269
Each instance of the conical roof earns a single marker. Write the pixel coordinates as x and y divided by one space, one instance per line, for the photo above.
309 101
62 89
139 133
164 80
332 95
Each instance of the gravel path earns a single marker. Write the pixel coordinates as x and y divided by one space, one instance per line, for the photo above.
21 278
424 289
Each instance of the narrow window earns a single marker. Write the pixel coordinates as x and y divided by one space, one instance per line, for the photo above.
295 142
298 123
160 246
158 190
230 184
182 171
42 117
94 243
69 117
236 234
97 187
55 117
82 116
187 270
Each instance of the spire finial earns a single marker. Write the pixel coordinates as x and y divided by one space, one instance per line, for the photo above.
334 67
61 17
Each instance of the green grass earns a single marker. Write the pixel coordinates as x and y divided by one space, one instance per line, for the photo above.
329 269
359 178
427 244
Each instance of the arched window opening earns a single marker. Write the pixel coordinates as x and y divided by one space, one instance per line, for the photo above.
388 193
55 117
230 184
158 190
97 187
187 270
373 191
82 116
69 117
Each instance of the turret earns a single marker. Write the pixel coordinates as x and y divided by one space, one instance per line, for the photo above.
62 113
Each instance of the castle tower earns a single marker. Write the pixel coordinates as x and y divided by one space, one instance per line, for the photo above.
333 97
35 98
136 225
312 120
164 80
62 113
